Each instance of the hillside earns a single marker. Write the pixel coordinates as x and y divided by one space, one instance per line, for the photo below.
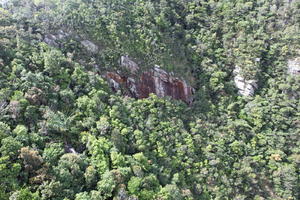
149 99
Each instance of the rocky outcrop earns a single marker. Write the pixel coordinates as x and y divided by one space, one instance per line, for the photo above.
294 66
50 39
293 69
245 87
130 65
55 40
156 81
115 80
132 79
90 46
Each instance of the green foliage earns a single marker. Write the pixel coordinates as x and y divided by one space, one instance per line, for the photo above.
170 192
98 149
24 194
4 130
52 153
107 185
65 135
9 175
10 147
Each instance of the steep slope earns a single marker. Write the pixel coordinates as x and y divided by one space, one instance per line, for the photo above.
224 123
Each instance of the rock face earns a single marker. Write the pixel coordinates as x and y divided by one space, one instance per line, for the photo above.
293 69
156 81
245 87
56 38
294 66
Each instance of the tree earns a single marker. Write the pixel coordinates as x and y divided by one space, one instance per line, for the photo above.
9 176
52 153
4 130
10 147
24 194
31 159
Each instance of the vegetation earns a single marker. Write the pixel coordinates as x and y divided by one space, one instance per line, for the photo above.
65 135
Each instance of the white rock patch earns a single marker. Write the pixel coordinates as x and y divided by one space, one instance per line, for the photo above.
245 87
294 66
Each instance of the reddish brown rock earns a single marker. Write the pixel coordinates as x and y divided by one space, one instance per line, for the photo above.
116 77
156 81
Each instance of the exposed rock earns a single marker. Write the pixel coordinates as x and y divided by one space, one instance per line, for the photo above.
70 149
50 39
156 81
293 69
294 66
53 39
131 83
115 80
129 64
245 87
90 46
62 35
56 38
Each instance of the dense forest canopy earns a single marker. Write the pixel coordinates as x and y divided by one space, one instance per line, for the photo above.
65 134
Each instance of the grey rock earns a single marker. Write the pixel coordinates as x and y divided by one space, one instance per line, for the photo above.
62 35
53 39
114 84
90 46
132 86
50 39
127 63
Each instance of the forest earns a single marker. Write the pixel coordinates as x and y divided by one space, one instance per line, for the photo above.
149 99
